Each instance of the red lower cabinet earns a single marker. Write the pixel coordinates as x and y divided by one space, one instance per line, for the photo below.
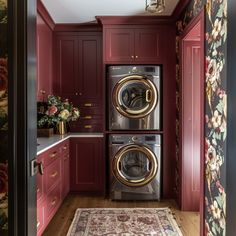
87 165
65 161
53 185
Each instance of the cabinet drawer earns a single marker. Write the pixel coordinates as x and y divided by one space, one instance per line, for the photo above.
53 201
40 217
52 174
65 147
87 127
90 111
40 187
51 155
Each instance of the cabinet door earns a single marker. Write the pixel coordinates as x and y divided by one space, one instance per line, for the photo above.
65 183
87 165
65 177
119 45
44 59
66 59
89 68
147 45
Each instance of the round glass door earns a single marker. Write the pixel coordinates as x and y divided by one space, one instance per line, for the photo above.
135 165
135 96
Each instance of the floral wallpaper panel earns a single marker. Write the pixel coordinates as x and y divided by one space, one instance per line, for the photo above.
215 109
3 120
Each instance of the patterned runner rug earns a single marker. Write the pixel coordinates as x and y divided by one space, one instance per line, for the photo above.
124 222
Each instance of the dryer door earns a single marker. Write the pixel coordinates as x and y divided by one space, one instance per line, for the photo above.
135 96
135 165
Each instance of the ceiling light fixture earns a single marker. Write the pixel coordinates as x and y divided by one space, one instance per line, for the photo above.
155 6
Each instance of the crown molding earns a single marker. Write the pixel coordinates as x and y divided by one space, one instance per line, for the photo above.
182 4
134 20
43 12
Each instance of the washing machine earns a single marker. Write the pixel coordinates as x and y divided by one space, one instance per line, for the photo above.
134 97
135 166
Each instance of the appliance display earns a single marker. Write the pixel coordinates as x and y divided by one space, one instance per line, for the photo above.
135 166
134 97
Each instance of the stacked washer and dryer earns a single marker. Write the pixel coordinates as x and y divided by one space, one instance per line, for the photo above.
134 99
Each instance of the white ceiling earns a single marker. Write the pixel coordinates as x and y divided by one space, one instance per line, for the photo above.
81 11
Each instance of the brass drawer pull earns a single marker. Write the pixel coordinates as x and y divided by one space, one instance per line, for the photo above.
38 223
54 174
54 201
65 147
88 104
88 117
53 154
38 190
88 126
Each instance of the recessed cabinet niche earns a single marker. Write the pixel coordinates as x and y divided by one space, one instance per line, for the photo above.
132 45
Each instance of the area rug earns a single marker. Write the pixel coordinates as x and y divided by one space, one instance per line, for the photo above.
124 222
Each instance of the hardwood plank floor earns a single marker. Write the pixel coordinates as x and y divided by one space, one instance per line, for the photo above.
189 222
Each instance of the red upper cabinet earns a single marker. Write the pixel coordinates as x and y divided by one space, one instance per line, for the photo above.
129 45
77 67
119 45
66 63
44 58
89 67
147 45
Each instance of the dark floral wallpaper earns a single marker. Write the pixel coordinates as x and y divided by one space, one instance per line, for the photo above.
215 109
3 119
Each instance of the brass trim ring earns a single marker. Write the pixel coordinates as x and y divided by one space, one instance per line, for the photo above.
118 160
129 113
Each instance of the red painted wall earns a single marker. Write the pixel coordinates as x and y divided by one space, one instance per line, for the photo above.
44 58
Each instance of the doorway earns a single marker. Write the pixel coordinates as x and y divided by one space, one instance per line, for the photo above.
192 116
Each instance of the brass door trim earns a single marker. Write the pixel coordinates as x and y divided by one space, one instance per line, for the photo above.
151 96
116 165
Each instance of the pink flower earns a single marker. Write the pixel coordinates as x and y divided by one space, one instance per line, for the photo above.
52 110
3 178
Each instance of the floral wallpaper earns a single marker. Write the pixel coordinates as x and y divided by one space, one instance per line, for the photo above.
215 109
3 119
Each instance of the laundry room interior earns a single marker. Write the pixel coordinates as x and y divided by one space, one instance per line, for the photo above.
122 114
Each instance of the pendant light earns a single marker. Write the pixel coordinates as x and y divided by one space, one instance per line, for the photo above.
155 6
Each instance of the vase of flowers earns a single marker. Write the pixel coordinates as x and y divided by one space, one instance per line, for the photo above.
56 113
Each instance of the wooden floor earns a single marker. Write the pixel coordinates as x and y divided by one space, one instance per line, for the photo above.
189 222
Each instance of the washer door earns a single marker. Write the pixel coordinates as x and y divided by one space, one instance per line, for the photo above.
135 165
135 96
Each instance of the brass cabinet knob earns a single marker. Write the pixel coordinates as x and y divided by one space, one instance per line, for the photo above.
42 91
76 94
132 56
80 94
136 56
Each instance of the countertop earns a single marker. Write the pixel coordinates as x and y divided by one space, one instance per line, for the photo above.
47 143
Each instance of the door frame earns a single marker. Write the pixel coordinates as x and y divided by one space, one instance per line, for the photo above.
200 18
22 116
